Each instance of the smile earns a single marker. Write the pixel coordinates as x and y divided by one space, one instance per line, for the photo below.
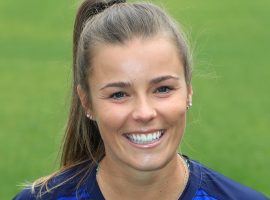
146 138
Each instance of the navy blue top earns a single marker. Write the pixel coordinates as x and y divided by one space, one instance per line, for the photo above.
203 184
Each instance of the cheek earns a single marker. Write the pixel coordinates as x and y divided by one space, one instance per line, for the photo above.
110 118
174 111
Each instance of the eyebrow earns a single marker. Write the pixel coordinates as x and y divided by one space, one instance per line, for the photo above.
163 78
116 84
121 84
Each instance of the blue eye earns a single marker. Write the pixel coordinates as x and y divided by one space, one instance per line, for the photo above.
118 95
164 89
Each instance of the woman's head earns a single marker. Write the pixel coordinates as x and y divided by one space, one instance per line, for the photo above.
116 26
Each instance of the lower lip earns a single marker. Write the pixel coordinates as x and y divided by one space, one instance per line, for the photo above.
147 146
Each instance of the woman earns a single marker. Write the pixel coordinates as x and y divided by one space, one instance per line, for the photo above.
131 91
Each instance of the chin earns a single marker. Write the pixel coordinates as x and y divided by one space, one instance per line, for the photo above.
150 162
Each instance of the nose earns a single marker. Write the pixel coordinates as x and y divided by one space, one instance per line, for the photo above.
144 111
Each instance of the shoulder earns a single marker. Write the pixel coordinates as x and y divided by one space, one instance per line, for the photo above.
221 187
25 194
70 184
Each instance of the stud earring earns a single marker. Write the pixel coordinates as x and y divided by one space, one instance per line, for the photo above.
189 105
89 116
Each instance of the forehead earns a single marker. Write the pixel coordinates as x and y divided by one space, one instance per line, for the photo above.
138 57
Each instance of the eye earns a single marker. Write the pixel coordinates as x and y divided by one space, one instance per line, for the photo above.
118 95
164 89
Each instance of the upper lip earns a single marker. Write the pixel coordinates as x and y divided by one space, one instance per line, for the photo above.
144 131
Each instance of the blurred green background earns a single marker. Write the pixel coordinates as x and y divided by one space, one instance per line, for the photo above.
228 126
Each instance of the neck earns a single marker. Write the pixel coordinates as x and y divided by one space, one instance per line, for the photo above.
165 183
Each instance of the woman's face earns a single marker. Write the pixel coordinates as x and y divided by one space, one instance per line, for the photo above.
139 98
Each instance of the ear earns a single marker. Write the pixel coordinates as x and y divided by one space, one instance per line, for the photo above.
189 94
83 98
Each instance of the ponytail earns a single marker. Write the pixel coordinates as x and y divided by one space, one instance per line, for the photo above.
81 18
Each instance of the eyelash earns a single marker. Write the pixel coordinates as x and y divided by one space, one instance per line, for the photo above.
116 97
120 95
168 89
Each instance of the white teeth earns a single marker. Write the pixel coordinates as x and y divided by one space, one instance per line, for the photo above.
145 138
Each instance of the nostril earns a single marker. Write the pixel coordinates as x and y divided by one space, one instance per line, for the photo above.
143 109
144 114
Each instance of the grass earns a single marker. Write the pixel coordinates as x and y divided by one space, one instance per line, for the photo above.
228 126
